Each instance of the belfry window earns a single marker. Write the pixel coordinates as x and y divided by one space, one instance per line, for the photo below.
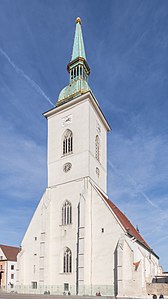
67 142
67 261
80 71
71 73
97 148
66 213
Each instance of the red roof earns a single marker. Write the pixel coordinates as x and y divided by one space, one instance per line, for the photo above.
10 252
125 221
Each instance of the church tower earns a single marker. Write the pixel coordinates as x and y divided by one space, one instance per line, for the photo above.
77 129
78 242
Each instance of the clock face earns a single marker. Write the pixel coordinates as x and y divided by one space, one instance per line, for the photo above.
67 120
67 167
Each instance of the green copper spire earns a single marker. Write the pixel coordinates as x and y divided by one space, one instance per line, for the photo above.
78 46
78 70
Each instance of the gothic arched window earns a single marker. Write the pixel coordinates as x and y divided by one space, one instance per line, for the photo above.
67 213
67 261
97 148
67 142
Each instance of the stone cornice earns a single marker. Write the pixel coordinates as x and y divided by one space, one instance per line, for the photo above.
77 100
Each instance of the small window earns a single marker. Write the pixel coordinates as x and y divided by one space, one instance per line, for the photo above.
97 148
67 142
102 229
12 276
12 267
34 284
66 213
67 261
66 287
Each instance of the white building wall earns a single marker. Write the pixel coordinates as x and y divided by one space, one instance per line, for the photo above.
96 247
97 128
103 242
85 123
28 258
11 275
134 280
9 272
47 255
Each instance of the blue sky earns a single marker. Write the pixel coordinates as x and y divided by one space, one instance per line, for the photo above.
126 45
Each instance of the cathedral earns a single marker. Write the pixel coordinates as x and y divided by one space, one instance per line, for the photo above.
78 241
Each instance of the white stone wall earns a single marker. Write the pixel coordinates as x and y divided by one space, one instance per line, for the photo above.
85 123
100 233
10 275
134 281
47 253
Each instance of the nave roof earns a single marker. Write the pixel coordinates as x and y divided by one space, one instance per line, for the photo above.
125 222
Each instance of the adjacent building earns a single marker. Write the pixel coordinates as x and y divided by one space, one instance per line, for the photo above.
78 241
8 262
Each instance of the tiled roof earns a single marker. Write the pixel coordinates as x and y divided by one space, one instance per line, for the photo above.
10 252
131 230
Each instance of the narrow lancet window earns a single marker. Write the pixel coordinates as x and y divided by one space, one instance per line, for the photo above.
67 142
97 148
67 213
67 261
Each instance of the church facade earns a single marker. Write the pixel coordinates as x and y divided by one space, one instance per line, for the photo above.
78 242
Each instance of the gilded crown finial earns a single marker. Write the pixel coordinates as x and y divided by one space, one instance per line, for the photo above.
78 20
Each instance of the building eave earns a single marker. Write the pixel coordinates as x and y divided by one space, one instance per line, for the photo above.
88 95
